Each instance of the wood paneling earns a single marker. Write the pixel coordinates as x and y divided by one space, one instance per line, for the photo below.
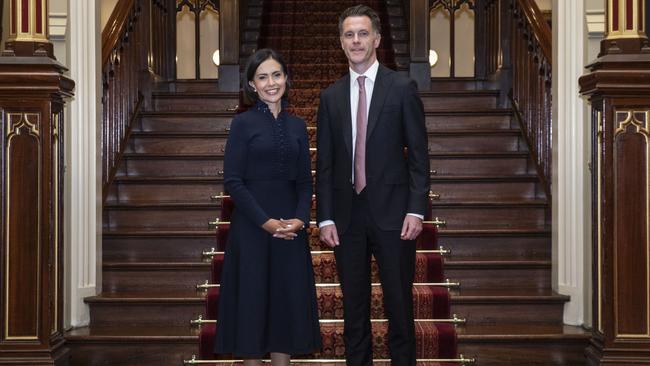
617 87
31 101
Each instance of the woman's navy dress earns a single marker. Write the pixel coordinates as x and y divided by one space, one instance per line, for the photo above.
267 296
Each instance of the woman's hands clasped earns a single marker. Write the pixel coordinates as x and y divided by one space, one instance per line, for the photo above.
283 229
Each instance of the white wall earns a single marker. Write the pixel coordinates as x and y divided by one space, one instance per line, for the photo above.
106 8
5 24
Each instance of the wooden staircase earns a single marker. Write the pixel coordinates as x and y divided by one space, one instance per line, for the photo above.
498 230
158 208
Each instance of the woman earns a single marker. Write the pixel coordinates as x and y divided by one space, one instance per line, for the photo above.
268 298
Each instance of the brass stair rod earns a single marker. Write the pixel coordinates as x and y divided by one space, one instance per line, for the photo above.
447 283
455 320
212 252
461 360
436 221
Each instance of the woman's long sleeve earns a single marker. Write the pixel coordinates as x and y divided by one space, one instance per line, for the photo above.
304 187
234 170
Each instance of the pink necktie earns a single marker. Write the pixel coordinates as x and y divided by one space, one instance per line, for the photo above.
360 143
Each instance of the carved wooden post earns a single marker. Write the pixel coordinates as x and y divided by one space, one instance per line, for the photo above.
420 71
618 87
229 44
32 88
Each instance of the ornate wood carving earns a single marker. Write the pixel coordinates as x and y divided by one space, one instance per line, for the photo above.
618 89
31 103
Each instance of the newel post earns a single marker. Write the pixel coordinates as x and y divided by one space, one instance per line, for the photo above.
618 88
32 89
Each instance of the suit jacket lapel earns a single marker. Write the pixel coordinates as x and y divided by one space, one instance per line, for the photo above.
344 102
379 93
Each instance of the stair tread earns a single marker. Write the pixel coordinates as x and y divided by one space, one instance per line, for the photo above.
501 203
176 114
468 332
506 295
172 134
465 132
148 232
524 332
162 205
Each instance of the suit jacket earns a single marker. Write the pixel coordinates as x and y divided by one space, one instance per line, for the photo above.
397 159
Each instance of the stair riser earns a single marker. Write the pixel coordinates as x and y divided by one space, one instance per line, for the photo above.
475 143
185 280
491 217
193 103
480 166
500 278
473 191
437 123
177 145
167 219
172 168
165 192
509 313
507 248
132 353
460 102
528 352
184 123
144 249
125 314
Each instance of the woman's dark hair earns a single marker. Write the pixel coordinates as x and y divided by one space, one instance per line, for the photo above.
253 63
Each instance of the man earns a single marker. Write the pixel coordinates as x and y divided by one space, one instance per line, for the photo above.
372 185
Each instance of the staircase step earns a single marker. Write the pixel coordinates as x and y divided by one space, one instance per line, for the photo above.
485 188
142 277
464 119
459 99
195 101
507 306
159 345
426 335
492 215
176 142
156 246
184 121
506 244
165 189
481 164
524 344
476 141
181 215
171 165
486 273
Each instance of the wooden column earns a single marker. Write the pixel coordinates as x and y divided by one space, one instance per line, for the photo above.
28 29
618 87
229 45
32 88
419 69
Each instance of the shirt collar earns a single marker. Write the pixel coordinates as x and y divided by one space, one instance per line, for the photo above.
371 73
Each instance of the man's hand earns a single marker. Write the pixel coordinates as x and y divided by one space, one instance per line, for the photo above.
329 235
411 228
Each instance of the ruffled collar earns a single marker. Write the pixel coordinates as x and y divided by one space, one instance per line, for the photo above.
264 108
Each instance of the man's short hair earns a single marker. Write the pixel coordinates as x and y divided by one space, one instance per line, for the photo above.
360 11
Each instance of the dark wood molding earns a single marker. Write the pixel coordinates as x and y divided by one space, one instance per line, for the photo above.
32 90
618 88
114 28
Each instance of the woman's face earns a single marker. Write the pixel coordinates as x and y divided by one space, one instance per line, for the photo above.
270 82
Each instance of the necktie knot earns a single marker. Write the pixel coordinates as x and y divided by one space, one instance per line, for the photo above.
362 82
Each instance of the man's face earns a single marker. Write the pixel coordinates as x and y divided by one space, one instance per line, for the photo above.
359 42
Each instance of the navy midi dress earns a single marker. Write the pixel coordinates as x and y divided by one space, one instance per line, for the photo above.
267 297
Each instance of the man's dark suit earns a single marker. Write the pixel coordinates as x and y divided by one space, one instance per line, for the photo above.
397 176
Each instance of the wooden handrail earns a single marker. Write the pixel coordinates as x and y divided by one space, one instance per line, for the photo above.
114 27
538 24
